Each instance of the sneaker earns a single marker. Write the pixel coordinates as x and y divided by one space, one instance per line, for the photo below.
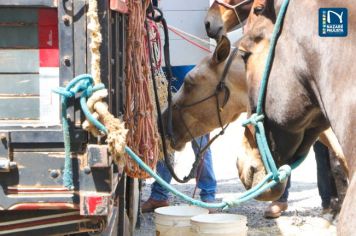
150 205
275 209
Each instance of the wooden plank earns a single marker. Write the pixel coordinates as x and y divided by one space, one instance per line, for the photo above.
19 37
19 84
21 15
19 61
27 3
20 108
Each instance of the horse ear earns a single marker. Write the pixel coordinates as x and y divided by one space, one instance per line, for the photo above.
222 50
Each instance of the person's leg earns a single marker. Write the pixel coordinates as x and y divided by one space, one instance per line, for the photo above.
326 183
159 195
206 179
157 191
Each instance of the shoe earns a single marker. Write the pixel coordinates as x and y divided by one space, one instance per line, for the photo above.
326 210
150 205
211 210
275 209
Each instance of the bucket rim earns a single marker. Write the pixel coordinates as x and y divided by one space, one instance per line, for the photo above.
214 218
164 211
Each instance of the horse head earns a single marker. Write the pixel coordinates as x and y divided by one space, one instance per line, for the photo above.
225 15
200 104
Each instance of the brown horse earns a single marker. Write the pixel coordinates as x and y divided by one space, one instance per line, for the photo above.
310 87
220 16
203 117
205 114
328 138
226 15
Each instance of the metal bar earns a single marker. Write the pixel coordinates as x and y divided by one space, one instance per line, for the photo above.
80 44
122 203
45 136
66 46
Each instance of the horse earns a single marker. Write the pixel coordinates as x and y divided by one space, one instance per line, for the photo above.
308 88
224 16
202 105
230 22
219 17
195 115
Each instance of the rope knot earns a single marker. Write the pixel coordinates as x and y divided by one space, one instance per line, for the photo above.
284 172
89 91
229 202
254 119
64 92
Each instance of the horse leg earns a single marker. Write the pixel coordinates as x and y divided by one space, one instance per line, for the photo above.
329 139
346 225
341 181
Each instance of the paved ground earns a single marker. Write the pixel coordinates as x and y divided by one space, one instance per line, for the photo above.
302 218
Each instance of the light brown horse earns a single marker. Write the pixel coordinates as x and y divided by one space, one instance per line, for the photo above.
310 87
205 114
226 15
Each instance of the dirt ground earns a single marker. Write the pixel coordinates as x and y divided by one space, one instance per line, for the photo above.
303 216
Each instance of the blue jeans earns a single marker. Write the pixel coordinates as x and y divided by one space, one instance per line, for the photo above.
326 182
206 182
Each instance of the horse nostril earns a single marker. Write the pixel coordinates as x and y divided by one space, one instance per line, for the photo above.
207 25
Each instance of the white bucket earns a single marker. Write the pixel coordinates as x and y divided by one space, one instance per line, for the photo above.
219 225
175 220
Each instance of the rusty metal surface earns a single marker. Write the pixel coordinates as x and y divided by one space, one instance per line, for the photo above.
98 156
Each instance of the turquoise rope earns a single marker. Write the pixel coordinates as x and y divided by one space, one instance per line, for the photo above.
256 119
84 84
248 195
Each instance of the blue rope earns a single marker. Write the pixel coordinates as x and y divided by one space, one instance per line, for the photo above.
284 171
81 84
256 119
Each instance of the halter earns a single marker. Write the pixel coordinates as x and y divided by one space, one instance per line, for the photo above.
233 7
221 87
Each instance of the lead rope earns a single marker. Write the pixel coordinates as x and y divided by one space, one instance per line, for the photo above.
256 119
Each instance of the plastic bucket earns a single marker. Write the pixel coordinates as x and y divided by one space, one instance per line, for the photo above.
219 225
175 220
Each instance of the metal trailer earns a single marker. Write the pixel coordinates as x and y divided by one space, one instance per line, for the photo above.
44 44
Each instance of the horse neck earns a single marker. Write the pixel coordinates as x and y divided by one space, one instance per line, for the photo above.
328 65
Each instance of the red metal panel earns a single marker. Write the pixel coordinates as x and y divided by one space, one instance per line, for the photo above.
94 204
48 37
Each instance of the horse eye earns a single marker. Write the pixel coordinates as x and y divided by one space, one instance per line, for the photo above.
244 55
188 85
258 10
